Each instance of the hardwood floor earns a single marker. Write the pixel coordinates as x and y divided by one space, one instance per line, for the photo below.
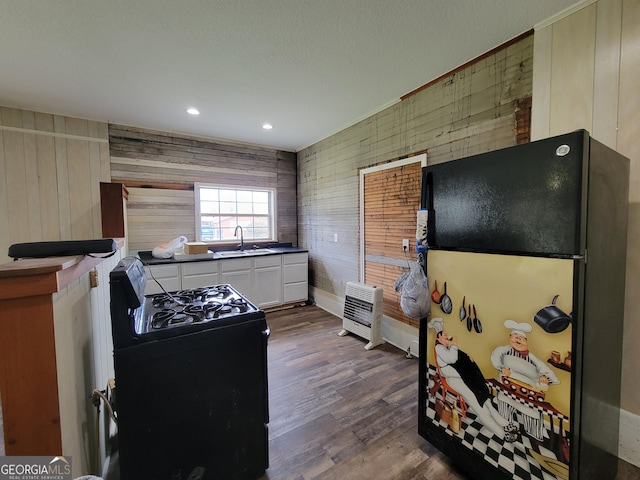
340 412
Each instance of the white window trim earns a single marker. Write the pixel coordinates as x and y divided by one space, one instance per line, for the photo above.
273 208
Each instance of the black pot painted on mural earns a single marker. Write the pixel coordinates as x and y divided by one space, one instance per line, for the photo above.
551 318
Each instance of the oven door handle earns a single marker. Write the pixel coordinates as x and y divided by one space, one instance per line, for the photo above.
265 334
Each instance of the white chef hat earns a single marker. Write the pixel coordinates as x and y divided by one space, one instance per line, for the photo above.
519 328
437 324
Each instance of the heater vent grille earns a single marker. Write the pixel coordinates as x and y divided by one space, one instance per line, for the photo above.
362 313
358 310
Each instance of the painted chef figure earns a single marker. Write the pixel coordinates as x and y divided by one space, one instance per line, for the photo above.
464 375
517 362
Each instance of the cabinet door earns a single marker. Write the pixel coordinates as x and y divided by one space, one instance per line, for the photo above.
267 288
295 292
238 272
200 274
167 275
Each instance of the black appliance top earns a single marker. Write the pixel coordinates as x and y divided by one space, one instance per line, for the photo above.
187 307
137 318
526 199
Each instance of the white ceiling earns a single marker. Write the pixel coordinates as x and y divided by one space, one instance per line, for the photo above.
309 67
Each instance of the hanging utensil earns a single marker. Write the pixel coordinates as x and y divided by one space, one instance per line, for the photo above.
463 310
476 322
469 320
446 305
435 295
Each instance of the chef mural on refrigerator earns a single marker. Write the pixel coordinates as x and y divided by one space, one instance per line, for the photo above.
520 356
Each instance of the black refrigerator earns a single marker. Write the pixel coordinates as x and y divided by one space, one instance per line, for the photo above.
520 355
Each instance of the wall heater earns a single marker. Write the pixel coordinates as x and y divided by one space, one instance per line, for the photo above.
363 313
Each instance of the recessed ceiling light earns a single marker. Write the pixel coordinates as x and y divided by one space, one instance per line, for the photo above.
267 126
193 111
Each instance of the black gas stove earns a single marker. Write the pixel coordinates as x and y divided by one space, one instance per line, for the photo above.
188 307
191 380
151 317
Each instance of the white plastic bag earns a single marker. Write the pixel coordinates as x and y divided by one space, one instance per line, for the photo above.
168 249
413 286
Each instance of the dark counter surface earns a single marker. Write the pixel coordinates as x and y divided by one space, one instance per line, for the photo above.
279 249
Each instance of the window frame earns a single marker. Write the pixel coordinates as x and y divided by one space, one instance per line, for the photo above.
272 216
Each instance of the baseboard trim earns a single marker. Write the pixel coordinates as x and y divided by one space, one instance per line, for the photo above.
629 448
398 334
403 336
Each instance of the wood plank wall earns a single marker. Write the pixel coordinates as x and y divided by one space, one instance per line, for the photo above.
586 76
50 170
391 200
51 167
171 164
465 113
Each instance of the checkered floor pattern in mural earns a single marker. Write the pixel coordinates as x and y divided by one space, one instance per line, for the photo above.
517 458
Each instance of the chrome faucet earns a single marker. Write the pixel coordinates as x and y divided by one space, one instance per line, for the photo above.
235 234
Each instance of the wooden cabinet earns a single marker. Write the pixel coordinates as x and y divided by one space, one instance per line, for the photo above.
113 210
295 277
267 281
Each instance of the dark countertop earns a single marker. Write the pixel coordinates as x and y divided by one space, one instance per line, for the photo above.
147 257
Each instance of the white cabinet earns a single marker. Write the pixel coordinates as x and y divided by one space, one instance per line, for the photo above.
295 277
200 274
238 272
168 275
267 281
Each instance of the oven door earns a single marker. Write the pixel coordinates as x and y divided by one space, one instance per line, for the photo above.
198 399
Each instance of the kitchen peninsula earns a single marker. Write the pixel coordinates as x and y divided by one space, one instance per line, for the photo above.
47 354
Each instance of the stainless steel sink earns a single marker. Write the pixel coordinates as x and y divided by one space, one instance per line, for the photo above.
232 253
242 253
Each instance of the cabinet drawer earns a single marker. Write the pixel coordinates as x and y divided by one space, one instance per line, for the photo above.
291 258
167 275
295 292
295 273
268 261
162 272
199 268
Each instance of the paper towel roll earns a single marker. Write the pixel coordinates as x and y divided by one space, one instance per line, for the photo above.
421 230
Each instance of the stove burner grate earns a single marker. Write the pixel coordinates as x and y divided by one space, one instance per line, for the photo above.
182 319
198 305
164 300
161 319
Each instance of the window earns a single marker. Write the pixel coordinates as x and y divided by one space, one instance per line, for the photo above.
220 209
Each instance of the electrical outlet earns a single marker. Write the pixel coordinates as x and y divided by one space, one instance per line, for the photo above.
405 243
